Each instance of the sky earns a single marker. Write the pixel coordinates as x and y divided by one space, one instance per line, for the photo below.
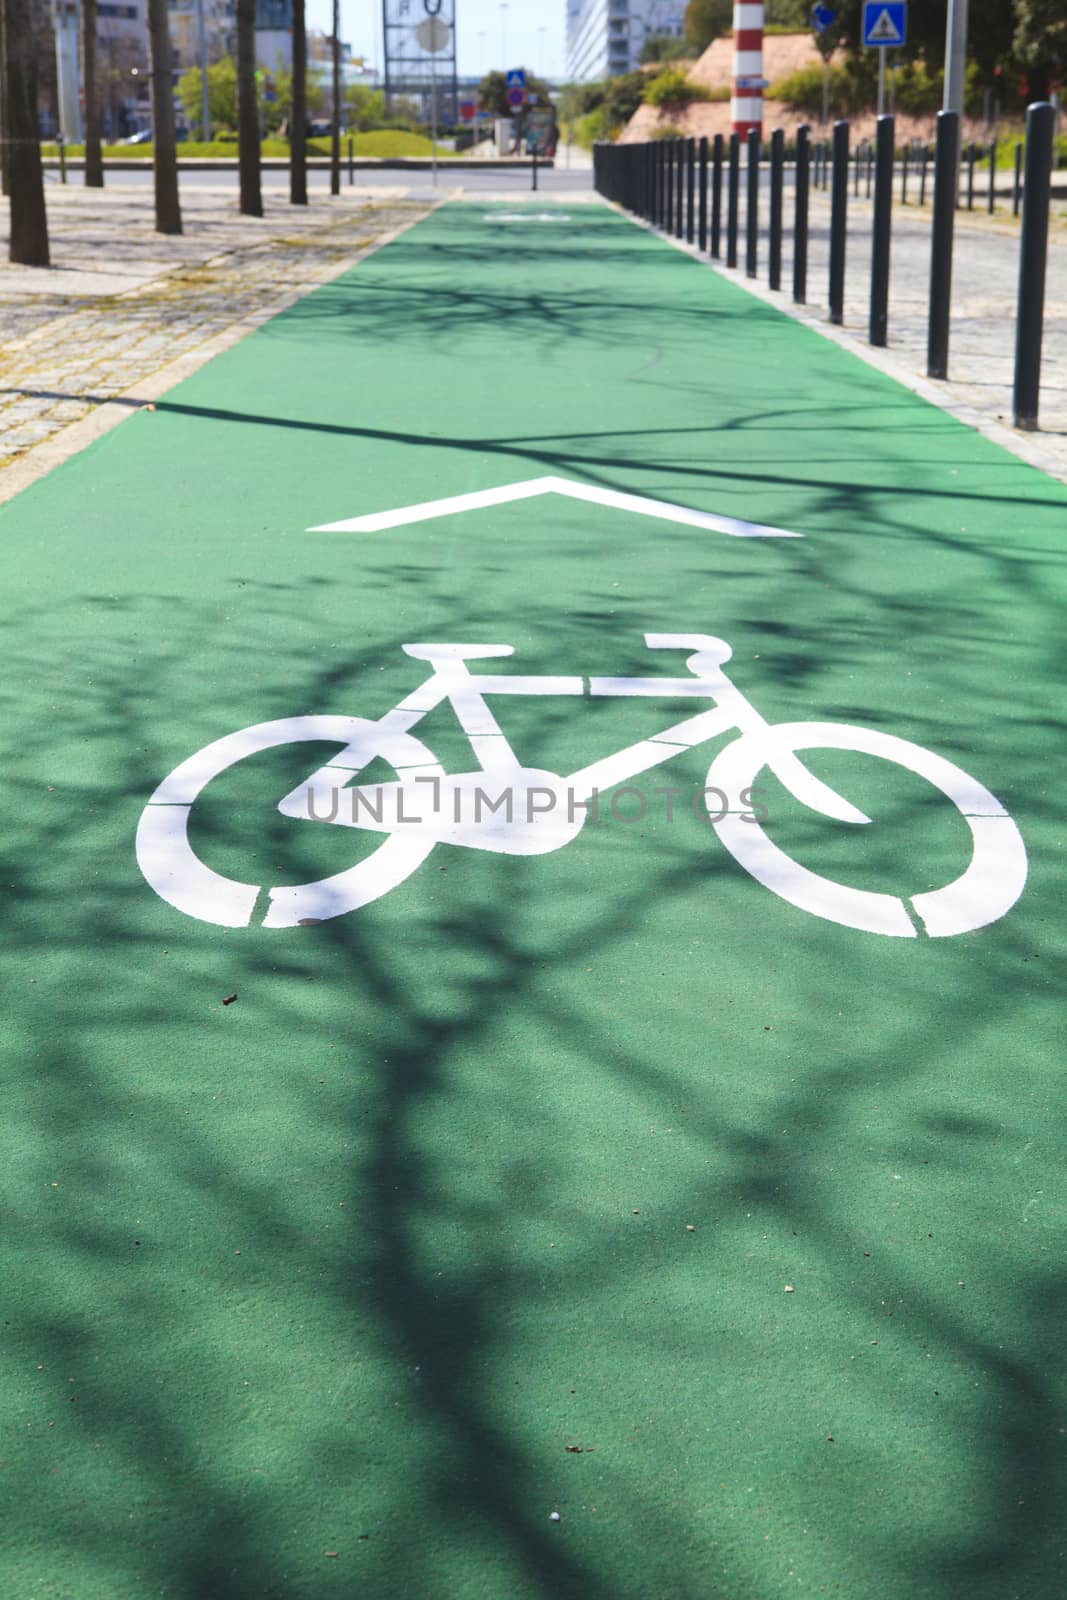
530 33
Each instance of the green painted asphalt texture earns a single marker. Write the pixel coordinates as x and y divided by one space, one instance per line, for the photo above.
522 1157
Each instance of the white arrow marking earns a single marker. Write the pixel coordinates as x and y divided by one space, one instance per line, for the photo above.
378 521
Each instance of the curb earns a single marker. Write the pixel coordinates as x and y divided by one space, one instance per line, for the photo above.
72 440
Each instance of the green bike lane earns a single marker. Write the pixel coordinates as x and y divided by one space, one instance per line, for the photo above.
603 1183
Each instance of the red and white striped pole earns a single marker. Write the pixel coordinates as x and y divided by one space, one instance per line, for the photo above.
746 101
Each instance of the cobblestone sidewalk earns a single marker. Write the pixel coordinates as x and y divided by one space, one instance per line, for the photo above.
122 304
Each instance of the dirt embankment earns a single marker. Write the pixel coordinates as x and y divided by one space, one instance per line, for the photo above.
783 54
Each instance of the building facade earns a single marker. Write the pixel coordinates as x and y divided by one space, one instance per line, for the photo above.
605 37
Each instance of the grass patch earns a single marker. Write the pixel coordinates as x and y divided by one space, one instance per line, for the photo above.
382 143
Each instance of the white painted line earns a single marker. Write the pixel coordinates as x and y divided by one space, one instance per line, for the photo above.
662 510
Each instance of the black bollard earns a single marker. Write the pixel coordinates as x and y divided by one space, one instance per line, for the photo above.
732 194
1033 258
838 215
752 204
922 179
680 188
702 196
716 196
904 177
881 231
774 271
972 156
946 163
690 190
800 215
991 197
1017 189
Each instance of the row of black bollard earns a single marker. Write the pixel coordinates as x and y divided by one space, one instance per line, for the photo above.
677 186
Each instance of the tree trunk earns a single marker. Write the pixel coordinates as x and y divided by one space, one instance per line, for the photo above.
29 224
94 166
298 111
248 111
335 121
4 148
164 148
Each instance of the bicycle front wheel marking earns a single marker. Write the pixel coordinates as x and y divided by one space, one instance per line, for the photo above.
174 870
988 888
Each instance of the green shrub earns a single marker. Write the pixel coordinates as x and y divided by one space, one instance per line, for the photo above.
595 125
672 87
802 91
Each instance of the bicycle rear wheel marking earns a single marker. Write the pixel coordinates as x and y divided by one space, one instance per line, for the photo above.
984 891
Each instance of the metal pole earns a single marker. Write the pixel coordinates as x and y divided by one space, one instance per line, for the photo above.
668 220
201 51
800 215
752 204
904 177
838 210
922 176
433 109
774 271
716 196
955 56
1033 255
991 198
882 228
946 161
351 161
690 190
702 188
881 80
533 183
1017 187
732 193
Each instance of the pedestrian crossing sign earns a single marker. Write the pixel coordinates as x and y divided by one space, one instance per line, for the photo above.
885 23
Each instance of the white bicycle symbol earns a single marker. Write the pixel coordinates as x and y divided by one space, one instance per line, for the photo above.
427 806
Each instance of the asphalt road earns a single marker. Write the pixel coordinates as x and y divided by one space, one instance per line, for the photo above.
417 181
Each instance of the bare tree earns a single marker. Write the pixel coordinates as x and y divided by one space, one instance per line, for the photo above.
335 121
164 147
298 110
4 183
248 111
94 166
29 223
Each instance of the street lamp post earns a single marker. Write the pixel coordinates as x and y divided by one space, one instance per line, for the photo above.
201 50
955 55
